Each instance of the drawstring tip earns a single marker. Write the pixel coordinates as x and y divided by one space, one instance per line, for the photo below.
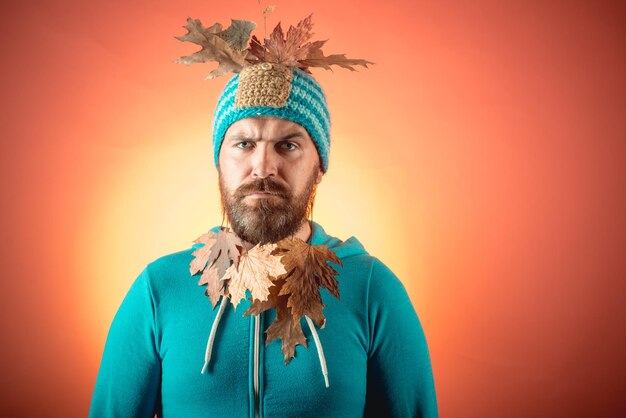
320 350
206 366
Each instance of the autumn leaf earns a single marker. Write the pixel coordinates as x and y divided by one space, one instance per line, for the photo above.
253 273
238 34
202 254
256 51
226 250
300 34
221 250
307 270
336 59
275 46
285 327
259 306
295 50
217 45
215 287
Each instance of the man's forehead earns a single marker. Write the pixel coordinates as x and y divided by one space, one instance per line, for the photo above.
265 125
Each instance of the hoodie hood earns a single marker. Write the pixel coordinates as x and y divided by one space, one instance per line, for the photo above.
343 249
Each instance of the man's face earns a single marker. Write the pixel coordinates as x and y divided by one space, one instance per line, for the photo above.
268 170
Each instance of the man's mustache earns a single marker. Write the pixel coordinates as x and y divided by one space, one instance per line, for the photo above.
261 185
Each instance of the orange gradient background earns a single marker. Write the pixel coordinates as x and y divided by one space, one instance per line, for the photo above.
482 158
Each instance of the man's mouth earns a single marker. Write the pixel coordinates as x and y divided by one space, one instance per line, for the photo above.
262 195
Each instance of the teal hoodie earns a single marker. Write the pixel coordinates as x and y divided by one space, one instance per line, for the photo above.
374 347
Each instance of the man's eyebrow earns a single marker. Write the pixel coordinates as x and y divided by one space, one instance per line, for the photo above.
240 137
251 138
291 136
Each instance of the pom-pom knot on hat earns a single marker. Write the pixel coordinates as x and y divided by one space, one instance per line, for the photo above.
271 78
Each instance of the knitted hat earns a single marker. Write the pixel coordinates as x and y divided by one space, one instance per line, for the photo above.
269 89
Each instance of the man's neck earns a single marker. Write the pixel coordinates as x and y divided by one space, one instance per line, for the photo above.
303 233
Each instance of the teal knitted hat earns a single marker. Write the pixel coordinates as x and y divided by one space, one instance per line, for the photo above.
269 89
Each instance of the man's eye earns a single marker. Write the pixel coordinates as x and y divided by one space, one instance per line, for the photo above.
243 144
288 146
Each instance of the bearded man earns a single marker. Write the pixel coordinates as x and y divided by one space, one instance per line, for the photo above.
296 351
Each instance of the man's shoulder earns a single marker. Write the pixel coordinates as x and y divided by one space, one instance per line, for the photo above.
174 259
166 267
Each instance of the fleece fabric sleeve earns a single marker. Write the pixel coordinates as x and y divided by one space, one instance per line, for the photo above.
128 380
399 376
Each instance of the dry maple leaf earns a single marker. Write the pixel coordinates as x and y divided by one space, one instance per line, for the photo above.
226 47
307 269
215 287
202 254
259 306
254 272
221 250
285 327
319 60
295 50
300 34
256 51
275 46
225 251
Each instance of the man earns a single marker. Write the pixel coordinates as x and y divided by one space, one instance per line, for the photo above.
370 358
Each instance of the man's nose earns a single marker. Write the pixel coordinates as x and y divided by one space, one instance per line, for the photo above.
264 162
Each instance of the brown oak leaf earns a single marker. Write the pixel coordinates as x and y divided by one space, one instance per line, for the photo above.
307 270
221 250
216 46
253 273
238 33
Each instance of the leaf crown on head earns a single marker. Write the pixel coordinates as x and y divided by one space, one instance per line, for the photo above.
233 49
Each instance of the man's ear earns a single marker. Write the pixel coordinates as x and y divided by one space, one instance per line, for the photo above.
320 174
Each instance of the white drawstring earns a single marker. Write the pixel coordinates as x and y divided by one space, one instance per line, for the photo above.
209 345
320 351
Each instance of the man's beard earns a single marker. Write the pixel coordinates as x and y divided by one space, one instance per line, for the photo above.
271 219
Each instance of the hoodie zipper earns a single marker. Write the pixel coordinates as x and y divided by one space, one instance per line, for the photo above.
255 372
